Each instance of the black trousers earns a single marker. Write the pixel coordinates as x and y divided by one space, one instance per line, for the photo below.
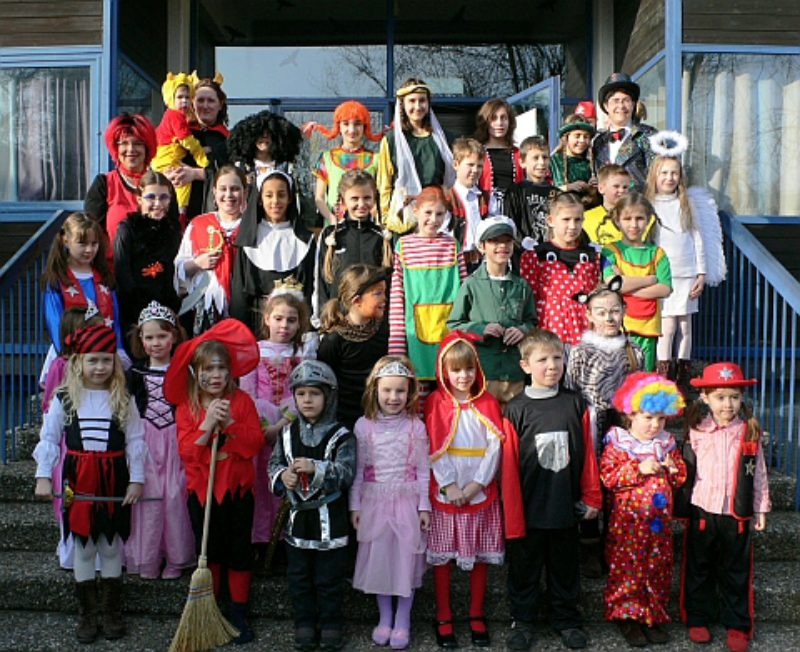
719 555
316 586
556 553
229 531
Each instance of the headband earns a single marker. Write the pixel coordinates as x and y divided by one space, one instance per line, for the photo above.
395 368
416 88
614 285
261 178
153 311
92 339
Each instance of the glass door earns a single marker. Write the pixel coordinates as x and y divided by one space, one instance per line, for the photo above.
538 110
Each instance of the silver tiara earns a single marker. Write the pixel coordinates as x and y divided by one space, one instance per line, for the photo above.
395 369
154 310
91 310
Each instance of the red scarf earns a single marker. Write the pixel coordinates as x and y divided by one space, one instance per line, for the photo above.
74 297
207 235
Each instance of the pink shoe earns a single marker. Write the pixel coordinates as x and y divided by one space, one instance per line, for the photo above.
381 635
737 641
171 573
399 639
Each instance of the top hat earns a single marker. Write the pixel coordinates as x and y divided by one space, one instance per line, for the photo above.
618 81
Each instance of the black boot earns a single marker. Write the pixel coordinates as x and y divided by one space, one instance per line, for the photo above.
87 610
239 621
683 375
111 601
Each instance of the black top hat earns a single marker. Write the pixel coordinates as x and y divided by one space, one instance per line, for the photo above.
618 81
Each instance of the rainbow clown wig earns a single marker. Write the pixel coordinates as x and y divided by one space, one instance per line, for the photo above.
349 110
645 391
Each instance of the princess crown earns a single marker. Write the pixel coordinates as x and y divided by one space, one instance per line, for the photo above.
395 369
288 285
154 310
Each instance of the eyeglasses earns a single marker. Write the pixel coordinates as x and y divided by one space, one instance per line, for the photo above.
620 100
163 197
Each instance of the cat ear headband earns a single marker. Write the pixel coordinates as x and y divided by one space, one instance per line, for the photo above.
614 285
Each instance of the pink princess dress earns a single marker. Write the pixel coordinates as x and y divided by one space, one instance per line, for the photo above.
390 489
268 386
160 529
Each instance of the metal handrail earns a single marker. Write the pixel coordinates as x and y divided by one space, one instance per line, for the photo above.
23 342
752 320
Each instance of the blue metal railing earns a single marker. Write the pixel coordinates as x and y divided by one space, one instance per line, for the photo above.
23 342
752 320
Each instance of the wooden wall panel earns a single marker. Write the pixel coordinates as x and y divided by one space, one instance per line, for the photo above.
741 22
64 22
639 32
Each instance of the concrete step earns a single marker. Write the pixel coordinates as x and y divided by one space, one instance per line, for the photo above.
17 482
31 581
53 632
32 526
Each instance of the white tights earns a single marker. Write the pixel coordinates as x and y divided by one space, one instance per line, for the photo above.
677 328
110 558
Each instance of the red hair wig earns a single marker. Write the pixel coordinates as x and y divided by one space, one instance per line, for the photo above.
131 124
349 110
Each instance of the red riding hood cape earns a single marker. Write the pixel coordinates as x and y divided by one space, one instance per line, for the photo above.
442 409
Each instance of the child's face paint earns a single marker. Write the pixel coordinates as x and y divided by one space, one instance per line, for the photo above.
213 378
460 381
97 369
545 366
646 425
725 403
157 342
283 323
392 394
310 402
605 313
154 201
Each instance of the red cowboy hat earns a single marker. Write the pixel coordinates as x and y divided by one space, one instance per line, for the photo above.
722 374
233 335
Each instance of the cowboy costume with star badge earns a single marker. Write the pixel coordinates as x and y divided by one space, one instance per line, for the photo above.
726 488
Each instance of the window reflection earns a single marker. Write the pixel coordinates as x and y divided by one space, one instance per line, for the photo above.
740 115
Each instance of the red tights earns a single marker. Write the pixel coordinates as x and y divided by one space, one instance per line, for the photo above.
477 588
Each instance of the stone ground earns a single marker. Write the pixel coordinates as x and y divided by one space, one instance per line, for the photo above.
50 632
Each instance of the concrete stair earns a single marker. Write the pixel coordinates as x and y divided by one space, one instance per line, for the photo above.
34 589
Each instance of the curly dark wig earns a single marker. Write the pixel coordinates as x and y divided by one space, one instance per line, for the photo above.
285 138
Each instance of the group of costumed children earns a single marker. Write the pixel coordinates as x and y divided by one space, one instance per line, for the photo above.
536 416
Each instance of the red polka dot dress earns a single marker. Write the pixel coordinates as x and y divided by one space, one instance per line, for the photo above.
556 275
639 540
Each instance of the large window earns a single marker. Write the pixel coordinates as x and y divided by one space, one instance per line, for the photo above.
653 94
740 113
49 122
44 133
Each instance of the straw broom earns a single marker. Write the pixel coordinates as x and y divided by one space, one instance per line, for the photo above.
202 626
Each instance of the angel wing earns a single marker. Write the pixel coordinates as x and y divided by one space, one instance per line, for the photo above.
704 210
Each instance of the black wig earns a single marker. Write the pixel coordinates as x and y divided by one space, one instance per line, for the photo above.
285 139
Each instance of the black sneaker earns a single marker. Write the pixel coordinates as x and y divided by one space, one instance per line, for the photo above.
305 639
331 640
574 638
656 635
520 637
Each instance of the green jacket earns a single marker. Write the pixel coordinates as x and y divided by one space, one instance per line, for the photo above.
482 301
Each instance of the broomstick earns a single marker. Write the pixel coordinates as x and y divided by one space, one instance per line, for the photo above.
202 626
